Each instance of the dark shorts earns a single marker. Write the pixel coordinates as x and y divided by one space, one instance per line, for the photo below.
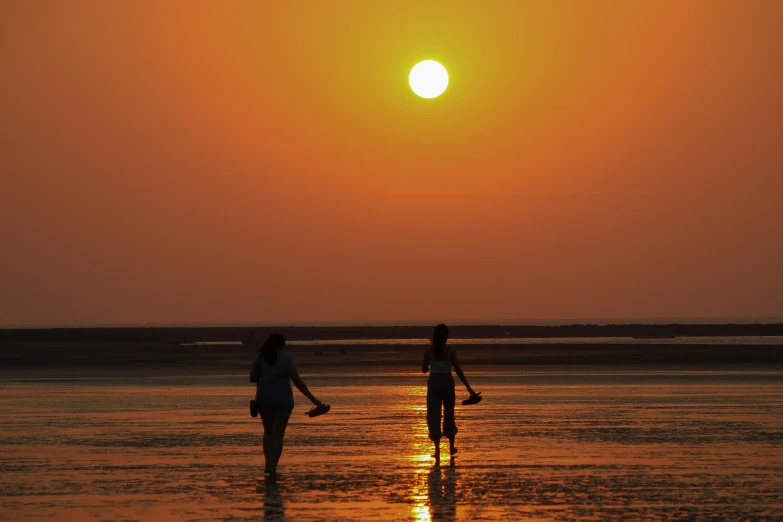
275 397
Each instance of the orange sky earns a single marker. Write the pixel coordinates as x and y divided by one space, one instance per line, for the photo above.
168 162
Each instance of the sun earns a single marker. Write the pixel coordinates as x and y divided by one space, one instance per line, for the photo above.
428 79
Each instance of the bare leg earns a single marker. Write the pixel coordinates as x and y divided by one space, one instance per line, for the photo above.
267 441
437 452
452 448
278 433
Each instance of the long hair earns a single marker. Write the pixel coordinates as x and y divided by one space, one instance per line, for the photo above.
270 347
439 338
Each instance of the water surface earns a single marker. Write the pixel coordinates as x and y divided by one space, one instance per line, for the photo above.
585 444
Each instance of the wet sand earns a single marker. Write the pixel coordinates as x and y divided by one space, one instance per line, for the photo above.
585 443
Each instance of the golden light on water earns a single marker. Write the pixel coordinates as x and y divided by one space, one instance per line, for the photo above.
420 455
433 491
434 494
420 510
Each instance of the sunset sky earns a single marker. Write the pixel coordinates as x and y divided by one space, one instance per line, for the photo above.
234 162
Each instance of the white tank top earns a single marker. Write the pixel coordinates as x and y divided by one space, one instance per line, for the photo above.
283 368
440 363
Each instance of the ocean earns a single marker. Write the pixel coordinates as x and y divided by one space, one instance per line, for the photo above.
567 443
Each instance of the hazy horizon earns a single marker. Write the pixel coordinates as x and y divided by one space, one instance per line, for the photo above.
379 323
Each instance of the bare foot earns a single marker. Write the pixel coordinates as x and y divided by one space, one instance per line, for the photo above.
453 450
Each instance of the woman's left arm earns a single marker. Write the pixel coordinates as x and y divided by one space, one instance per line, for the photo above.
300 384
458 369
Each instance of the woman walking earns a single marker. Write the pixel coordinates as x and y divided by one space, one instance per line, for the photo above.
273 370
439 359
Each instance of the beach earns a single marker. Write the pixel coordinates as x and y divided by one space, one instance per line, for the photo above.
547 443
576 203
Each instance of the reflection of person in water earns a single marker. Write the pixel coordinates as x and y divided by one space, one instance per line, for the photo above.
273 503
439 359
442 497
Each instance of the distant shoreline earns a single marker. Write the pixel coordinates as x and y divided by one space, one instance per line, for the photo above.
597 321
141 351
27 358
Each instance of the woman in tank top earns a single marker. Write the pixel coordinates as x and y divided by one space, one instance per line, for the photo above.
439 359
273 370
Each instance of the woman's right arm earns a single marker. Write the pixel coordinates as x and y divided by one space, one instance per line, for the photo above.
458 370
255 368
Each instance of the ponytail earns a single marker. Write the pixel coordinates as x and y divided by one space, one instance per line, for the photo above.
439 338
270 347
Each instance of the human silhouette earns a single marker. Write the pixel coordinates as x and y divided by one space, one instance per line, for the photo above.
439 358
273 370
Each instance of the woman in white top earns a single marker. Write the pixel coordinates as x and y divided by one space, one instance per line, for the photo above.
438 359
273 370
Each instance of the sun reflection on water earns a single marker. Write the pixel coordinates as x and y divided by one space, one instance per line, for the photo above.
420 449
420 510
434 489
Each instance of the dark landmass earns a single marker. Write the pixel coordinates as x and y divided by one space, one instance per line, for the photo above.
95 359
90 351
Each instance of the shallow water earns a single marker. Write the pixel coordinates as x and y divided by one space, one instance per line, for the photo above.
568 445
